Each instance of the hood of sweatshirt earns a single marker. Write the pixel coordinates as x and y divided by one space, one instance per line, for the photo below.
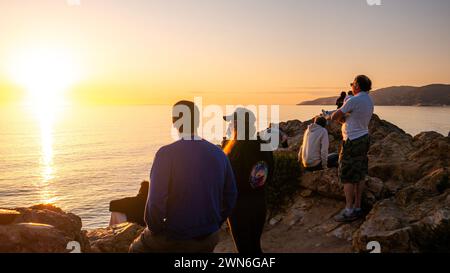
314 127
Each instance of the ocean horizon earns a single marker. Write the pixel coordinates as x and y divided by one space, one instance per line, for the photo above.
81 158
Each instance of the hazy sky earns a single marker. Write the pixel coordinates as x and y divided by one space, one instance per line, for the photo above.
230 51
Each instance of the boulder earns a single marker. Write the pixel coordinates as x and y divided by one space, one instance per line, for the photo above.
379 129
114 239
326 183
52 222
69 223
8 216
292 127
432 152
32 238
416 219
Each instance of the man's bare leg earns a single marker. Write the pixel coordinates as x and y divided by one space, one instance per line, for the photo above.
359 188
349 191
347 214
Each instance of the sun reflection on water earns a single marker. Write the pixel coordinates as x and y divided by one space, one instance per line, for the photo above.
46 113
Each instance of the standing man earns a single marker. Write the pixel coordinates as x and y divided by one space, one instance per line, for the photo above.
355 116
192 191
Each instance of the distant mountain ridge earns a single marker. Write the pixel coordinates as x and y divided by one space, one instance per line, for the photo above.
430 95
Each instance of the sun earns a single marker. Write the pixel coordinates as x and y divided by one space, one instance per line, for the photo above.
45 73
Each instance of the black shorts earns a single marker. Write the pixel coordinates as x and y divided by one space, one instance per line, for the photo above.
353 160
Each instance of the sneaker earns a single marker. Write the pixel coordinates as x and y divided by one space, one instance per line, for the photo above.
343 217
358 213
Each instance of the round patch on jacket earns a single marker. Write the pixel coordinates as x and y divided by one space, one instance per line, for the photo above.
259 174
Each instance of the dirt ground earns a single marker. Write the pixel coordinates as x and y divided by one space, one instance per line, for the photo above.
306 227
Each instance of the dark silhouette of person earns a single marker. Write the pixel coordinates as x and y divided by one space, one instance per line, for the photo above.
132 207
253 169
340 100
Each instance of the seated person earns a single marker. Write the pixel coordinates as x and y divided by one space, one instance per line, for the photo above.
313 154
130 209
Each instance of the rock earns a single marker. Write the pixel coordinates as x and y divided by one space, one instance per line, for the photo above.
8 216
326 183
32 238
68 223
306 193
295 142
275 220
345 232
292 127
403 159
115 239
416 219
47 218
432 152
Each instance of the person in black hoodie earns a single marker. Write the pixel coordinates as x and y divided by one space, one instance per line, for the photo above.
133 208
253 169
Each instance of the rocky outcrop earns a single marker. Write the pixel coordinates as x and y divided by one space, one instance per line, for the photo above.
42 229
326 183
417 219
115 239
32 238
407 189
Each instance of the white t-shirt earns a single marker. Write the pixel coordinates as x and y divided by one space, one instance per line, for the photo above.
347 98
360 110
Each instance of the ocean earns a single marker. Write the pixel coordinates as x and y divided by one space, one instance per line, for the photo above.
81 158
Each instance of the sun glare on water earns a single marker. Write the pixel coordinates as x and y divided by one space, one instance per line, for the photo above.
46 74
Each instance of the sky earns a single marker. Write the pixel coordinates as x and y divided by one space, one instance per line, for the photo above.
227 51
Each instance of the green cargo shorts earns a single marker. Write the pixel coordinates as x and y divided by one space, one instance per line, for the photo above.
353 160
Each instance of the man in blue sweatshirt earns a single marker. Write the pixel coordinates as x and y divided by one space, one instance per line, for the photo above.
192 192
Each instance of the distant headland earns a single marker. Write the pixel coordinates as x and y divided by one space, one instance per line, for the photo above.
430 95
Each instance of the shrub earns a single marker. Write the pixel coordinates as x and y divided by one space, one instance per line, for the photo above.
285 182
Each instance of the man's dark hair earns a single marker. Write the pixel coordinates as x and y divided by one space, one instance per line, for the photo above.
350 93
364 83
179 109
320 121
343 94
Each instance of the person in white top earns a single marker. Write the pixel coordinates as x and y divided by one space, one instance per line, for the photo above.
355 116
314 151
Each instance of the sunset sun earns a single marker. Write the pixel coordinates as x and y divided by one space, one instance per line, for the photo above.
45 74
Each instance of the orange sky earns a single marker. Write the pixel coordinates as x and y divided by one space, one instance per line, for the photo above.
253 51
